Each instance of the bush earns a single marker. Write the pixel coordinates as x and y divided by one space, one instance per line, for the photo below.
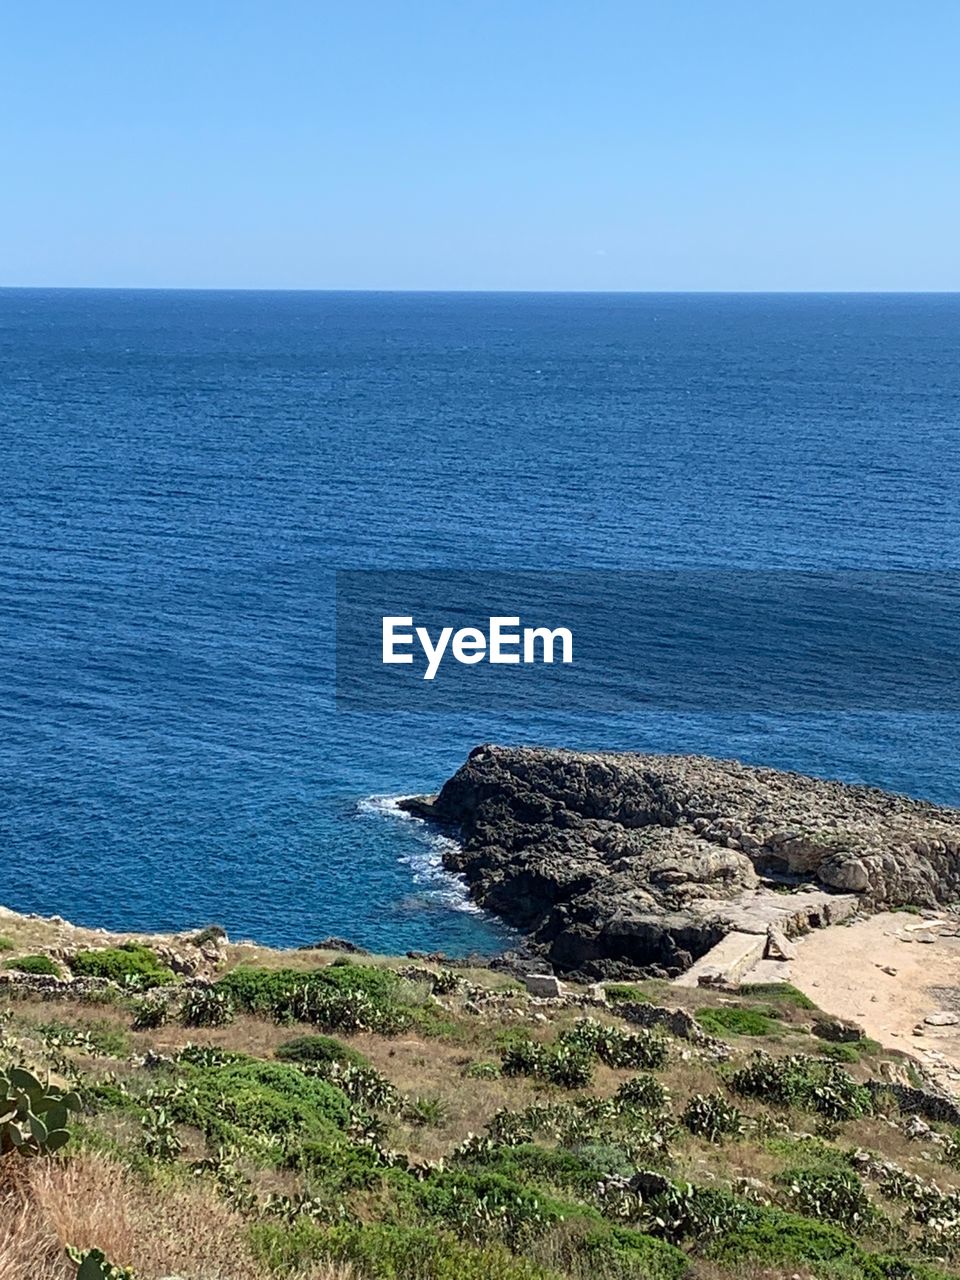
320 1050
485 1205
566 1063
258 1100
735 1021
425 1112
389 1253
341 997
685 1212
642 1093
43 966
815 1084
637 1049
150 1013
7 944
131 963
206 1007
580 1170
773 1238
712 1117
483 1071
621 1252
835 1194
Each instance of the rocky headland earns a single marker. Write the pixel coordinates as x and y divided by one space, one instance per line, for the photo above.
619 863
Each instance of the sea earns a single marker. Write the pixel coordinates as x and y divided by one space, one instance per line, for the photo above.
183 474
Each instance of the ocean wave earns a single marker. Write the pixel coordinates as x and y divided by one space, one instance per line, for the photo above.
424 855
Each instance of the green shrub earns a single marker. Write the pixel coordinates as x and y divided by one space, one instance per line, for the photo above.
699 1214
834 1194
246 1098
523 1057
150 1013
364 1085
206 1007
7 944
773 1238
840 1052
99 1039
578 1170
567 1063
160 1138
425 1112
483 1071
569 1066
730 1020
320 1049
642 1093
386 1252
344 997
131 963
813 1083
43 966
624 1254
483 1205
637 1049
712 1117
950 1152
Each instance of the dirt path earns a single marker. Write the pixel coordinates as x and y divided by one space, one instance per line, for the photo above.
846 969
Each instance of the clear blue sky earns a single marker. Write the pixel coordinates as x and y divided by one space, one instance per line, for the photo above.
481 144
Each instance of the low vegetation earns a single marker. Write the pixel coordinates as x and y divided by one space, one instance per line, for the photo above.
352 1121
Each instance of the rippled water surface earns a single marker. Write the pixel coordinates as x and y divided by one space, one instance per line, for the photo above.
183 472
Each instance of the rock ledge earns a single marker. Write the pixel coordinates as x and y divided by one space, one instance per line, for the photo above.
618 863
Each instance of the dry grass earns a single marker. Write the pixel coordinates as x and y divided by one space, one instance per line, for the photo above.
91 1202
157 1229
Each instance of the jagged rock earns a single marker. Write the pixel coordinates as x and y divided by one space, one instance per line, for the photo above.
336 944
647 1183
838 1030
543 985
618 863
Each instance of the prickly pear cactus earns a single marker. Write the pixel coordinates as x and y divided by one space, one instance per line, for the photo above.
92 1265
33 1115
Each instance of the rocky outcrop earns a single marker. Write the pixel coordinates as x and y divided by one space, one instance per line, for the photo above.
613 863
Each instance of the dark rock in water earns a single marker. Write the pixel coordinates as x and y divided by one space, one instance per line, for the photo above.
336 944
614 863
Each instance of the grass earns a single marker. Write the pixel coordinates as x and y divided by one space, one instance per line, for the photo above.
779 993
737 1021
40 965
278 1146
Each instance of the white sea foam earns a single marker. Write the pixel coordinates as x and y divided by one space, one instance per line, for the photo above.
424 856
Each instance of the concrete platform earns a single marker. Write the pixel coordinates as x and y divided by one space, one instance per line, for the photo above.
729 959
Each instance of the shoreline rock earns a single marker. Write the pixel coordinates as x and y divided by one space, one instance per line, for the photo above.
618 864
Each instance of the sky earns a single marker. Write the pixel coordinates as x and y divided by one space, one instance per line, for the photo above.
481 144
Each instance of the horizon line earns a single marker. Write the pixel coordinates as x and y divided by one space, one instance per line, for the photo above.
176 288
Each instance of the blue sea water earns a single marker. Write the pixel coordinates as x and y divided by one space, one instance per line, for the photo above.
183 473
